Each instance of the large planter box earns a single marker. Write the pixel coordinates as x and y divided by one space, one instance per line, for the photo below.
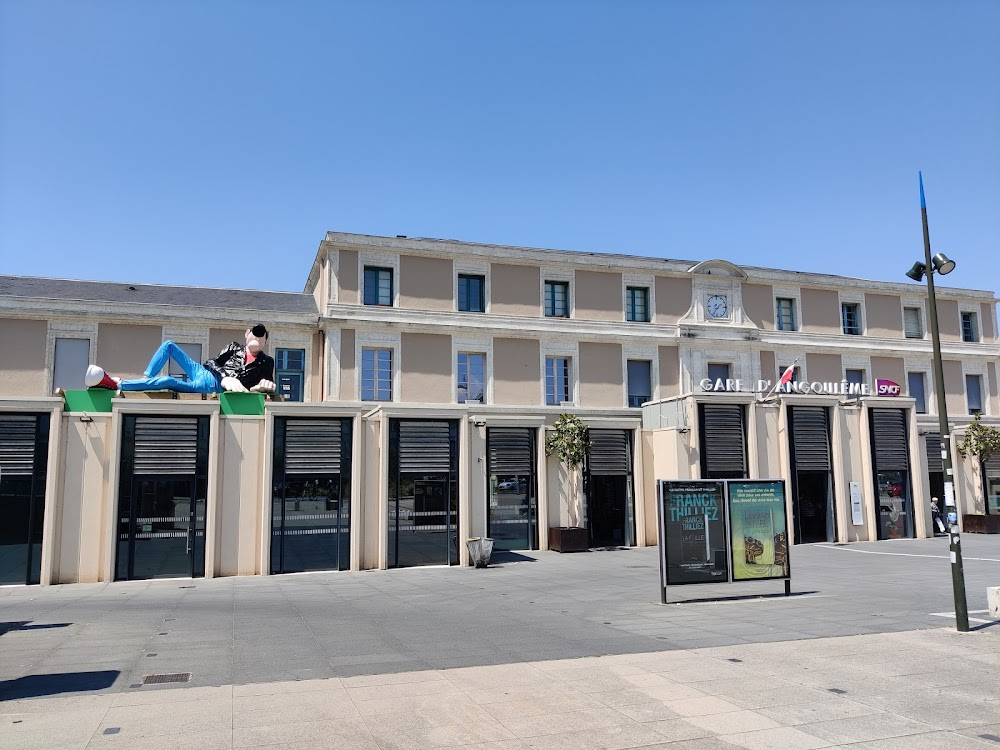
242 404
568 539
976 524
89 399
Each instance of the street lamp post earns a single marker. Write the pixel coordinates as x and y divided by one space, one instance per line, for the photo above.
942 265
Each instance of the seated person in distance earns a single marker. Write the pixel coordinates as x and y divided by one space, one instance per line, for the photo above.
239 368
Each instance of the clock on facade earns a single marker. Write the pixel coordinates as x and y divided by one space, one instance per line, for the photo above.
718 306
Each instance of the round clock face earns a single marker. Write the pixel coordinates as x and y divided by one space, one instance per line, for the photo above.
718 306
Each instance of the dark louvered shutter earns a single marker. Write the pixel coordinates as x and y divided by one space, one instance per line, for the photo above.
510 449
810 438
932 444
609 454
889 433
17 444
723 441
313 446
424 447
993 465
166 445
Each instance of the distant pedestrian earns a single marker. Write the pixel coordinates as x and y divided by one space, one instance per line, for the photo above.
936 515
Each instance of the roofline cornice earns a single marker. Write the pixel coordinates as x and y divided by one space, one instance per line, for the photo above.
510 254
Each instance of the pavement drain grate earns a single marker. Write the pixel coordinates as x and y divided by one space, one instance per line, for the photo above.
838 691
149 655
112 730
990 737
735 661
136 685
187 587
636 567
159 679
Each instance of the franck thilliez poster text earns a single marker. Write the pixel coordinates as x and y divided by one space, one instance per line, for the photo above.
694 521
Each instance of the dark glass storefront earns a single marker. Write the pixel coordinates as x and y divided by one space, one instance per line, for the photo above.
512 518
162 497
608 484
423 492
891 467
24 445
310 497
812 485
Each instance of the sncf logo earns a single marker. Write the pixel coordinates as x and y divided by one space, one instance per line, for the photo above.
887 388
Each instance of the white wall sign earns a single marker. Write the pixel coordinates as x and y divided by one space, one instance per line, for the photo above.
857 511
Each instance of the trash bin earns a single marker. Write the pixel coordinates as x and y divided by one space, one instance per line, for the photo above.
480 550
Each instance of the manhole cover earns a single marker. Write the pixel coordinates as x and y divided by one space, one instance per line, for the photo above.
159 679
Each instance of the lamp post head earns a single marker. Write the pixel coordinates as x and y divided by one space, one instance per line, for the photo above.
917 272
943 264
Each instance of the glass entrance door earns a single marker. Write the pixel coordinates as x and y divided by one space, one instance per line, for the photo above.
24 440
606 510
423 493
161 530
162 496
513 522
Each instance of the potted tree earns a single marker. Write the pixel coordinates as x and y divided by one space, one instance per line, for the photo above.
980 443
568 441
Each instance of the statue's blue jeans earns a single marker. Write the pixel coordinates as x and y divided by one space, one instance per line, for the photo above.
199 379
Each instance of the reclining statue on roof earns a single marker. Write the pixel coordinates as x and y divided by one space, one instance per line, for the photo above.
239 368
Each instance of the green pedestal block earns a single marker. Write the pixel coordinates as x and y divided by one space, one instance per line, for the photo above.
89 399
242 404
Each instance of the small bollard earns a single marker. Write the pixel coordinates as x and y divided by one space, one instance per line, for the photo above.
480 550
993 600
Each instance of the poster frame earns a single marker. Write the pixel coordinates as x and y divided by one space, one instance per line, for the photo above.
661 532
729 530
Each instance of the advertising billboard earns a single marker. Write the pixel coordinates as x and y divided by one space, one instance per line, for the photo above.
758 529
693 528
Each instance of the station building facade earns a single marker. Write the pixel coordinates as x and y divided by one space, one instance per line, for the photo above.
418 379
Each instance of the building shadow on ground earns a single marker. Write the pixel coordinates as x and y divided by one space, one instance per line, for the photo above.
41 685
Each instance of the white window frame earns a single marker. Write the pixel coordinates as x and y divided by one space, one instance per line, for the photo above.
917 305
473 345
467 268
373 339
794 294
928 401
854 298
649 353
59 329
294 340
979 370
964 308
567 276
570 351
378 260
927 368
641 280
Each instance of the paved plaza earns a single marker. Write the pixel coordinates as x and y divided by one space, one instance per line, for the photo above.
539 651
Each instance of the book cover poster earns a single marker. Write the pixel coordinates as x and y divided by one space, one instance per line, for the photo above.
759 530
693 515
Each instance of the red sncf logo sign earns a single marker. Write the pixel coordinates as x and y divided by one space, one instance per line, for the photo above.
887 388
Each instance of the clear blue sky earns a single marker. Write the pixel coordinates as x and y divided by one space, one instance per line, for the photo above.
213 143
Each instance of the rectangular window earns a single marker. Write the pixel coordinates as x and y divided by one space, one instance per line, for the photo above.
974 393
970 331
557 387
913 324
639 381
376 374
850 314
918 392
556 299
718 371
857 377
785 314
378 286
637 304
290 373
72 356
471 293
471 377
193 351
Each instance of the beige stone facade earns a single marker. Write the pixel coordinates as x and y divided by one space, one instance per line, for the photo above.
476 349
